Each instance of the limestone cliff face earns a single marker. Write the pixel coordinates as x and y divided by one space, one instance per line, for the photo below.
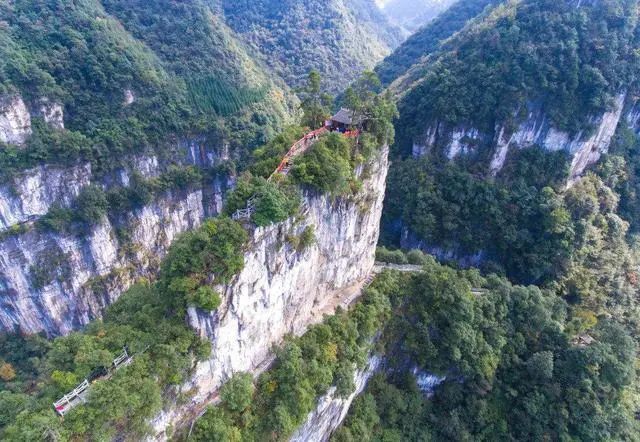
33 193
283 290
83 275
536 129
15 120
331 409
15 117
56 283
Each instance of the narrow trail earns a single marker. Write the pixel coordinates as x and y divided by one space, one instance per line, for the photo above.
298 148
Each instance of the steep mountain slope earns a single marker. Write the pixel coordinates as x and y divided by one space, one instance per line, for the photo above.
545 52
412 14
338 38
517 155
430 38
227 293
124 87
528 74
469 358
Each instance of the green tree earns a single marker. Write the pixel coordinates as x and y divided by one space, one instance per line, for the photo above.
325 165
91 205
360 96
206 298
236 394
11 404
216 426
315 103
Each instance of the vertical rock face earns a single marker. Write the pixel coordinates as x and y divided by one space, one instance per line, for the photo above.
536 129
15 121
332 410
35 191
57 283
283 290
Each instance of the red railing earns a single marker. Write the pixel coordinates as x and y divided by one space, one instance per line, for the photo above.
303 144
283 168
298 147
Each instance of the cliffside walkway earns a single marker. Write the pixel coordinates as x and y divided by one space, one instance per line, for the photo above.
405 268
297 149
79 394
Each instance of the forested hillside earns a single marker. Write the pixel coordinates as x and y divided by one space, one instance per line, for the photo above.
537 81
128 76
504 363
486 79
338 38
430 38
545 51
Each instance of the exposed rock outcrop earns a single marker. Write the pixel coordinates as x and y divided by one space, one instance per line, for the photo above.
15 120
409 241
331 410
56 283
536 129
129 97
283 290
427 382
51 112
633 117
32 194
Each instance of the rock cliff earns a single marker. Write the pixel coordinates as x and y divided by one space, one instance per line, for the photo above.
57 282
83 275
15 120
585 147
332 410
283 290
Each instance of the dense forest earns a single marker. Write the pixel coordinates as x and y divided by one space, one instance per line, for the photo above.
454 90
338 38
537 372
544 51
510 365
430 38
